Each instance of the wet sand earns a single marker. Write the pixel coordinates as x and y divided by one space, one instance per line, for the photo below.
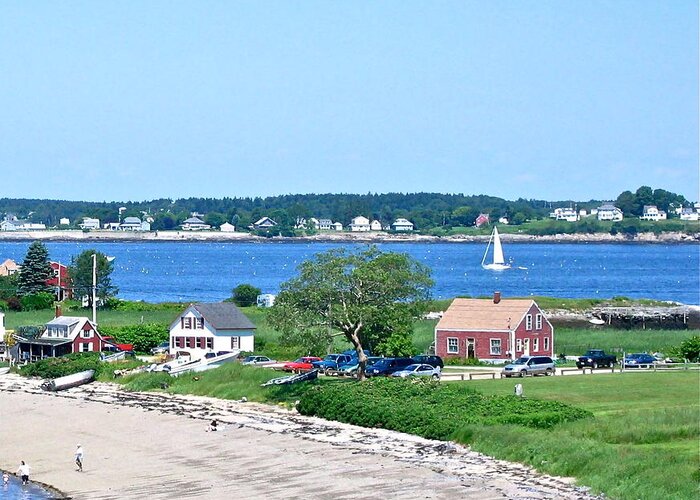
152 445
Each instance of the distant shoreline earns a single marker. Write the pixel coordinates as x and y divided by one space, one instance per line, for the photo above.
373 237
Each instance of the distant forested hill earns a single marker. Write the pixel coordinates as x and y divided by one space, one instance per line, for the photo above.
426 210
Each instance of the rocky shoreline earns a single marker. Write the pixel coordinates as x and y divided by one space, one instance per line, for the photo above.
369 237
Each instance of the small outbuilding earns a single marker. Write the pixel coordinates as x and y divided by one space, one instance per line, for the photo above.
494 330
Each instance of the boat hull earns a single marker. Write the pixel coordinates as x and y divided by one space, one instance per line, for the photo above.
69 381
496 267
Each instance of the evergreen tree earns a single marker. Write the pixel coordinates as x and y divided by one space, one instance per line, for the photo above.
35 272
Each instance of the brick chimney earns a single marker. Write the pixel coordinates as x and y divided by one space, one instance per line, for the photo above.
59 312
496 297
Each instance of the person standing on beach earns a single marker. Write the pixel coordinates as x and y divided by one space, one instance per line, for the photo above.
5 478
79 458
23 472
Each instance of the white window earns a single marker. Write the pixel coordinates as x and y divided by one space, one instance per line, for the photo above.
452 345
235 342
519 345
528 322
535 344
546 344
86 347
87 334
199 323
538 322
495 346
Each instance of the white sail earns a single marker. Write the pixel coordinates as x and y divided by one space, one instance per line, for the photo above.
499 262
497 248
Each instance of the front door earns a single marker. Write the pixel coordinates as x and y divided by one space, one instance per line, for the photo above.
471 348
526 347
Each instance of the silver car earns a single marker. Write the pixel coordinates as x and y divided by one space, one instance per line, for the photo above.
530 365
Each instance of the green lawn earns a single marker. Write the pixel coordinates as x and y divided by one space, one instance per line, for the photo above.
642 443
575 341
14 319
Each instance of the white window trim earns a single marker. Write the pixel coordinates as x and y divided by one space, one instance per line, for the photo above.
455 349
538 322
546 344
535 345
518 345
528 322
492 349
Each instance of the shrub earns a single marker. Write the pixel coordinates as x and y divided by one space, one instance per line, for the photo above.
245 295
65 365
429 409
143 336
37 301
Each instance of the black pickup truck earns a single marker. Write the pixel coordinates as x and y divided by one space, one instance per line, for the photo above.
595 358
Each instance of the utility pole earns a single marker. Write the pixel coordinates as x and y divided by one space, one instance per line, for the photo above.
94 289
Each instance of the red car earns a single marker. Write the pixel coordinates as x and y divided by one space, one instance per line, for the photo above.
302 364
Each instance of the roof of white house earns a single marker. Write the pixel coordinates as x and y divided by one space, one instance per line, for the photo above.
132 220
193 220
224 316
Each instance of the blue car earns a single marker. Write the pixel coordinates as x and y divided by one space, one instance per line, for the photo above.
387 366
639 360
331 362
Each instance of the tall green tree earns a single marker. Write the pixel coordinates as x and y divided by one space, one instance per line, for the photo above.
370 297
35 271
245 295
80 272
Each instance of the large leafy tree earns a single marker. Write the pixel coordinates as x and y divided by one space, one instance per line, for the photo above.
80 272
245 295
35 271
370 297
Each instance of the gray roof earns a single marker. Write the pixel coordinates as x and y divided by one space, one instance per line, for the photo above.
132 220
194 220
224 316
64 320
45 341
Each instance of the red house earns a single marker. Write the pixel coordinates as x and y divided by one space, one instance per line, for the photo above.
493 330
60 282
63 335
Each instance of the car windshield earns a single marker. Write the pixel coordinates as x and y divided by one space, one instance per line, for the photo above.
411 368
521 361
248 358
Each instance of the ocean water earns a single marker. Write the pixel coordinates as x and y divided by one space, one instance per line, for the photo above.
208 271
14 490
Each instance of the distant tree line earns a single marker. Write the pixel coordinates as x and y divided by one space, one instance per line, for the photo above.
427 211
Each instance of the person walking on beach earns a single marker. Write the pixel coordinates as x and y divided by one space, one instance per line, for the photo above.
79 458
23 472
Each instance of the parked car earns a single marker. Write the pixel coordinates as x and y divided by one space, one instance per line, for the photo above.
530 365
595 358
639 360
161 348
303 364
418 370
387 366
435 361
332 361
258 361
352 366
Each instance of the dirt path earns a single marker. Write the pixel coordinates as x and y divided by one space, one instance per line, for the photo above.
152 445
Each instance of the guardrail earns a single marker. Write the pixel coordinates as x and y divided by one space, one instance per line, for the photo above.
469 375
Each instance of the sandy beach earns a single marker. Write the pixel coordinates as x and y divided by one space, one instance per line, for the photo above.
152 445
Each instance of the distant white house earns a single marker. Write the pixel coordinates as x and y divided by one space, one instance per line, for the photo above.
336 226
264 223
65 221
194 224
205 328
360 224
90 223
227 228
503 220
568 214
608 211
375 225
651 212
325 224
266 300
20 225
134 224
402 224
111 226
689 214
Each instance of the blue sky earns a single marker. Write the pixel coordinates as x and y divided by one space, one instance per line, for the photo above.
535 99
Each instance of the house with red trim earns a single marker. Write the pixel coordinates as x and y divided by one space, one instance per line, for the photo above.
62 335
211 327
60 282
495 330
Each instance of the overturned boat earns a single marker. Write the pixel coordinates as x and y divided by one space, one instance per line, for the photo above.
208 362
292 379
74 380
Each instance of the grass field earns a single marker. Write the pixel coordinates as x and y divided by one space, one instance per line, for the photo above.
642 443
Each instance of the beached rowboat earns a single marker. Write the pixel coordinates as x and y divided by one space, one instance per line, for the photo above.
74 380
292 379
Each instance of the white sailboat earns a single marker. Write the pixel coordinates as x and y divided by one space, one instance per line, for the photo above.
499 263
